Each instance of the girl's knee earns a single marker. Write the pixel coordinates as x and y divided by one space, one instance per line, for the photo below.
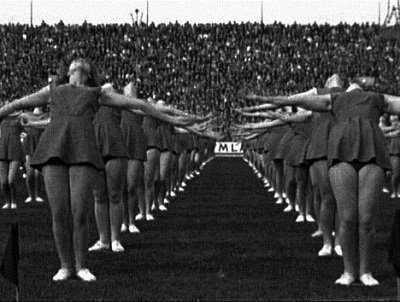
114 196
12 181
326 192
366 222
79 218
348 221
366 226
131 189
4 181
99 196
60 216
139 182
30 172
149 182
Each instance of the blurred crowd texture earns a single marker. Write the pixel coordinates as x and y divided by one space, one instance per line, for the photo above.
200 68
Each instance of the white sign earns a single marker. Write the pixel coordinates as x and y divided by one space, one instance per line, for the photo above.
228 149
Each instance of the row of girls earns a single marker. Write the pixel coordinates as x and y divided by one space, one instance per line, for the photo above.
107 145
328 162
12 154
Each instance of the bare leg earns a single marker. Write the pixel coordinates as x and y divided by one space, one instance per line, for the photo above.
371 178
81 186
278 168
344 181
30 178
136 189
165 164
56 179
301 175
197 160
309 196
395 179
328 206
5 186
12 175
182 166
314 177
125 199
38 182
290 184
174 170
115 171
150 168
101 207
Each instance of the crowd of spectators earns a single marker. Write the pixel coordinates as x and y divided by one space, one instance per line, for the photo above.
199 67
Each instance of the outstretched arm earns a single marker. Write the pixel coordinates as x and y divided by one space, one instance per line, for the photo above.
110 98
33 100
258 108
394 133
262 125
254 135
307 100
392 104
207 117
299 117
180 130
256 114
172 111
31 120
41 124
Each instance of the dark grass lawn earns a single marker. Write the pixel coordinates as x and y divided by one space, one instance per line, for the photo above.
221 239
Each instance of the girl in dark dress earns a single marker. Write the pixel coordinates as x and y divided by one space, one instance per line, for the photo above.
136 144
317 155
296 157
69 158
152 165
29 144
11 158
109 182
357 158
165 132
174 166
183 143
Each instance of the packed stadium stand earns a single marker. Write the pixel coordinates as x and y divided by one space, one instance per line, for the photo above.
199 67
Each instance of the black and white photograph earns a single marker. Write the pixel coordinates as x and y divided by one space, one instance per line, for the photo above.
170 150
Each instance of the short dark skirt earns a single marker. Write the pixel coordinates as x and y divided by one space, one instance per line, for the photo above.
11 146
31 141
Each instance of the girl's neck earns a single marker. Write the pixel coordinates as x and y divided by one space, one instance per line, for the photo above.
78 84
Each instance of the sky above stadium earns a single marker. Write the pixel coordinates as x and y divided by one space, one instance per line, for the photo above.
194 11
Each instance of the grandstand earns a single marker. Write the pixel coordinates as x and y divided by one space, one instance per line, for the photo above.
200 67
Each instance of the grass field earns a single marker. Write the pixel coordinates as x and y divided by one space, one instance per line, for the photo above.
221 239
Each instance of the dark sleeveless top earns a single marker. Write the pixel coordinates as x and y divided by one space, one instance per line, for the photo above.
355 134
108 133
274 147
10 141
31 140
165 133
150 127
70 135
135 140
318 146
297 148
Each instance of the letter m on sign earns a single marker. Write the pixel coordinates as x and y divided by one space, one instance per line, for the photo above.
223 147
